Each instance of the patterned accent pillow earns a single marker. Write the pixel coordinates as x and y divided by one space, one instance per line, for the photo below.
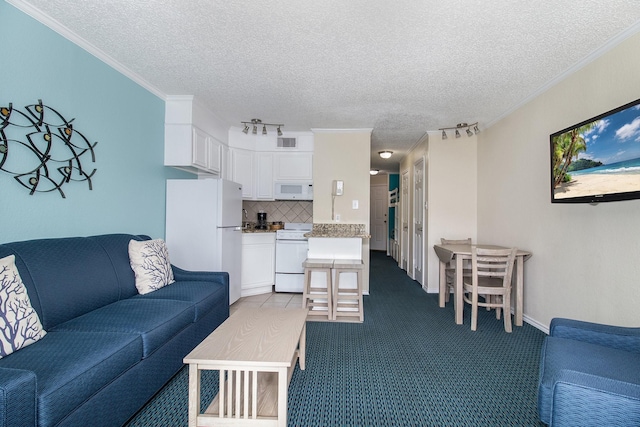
19 323
150 262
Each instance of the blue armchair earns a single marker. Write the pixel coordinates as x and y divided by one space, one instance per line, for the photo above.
589 375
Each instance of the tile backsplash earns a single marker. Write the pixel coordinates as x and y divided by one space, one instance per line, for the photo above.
285 211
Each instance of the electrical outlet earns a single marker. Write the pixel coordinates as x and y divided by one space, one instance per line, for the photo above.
337 217
354 204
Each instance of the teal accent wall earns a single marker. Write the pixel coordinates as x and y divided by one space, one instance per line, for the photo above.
127 121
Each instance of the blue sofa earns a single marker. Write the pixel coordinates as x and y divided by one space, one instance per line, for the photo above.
107 350
589 375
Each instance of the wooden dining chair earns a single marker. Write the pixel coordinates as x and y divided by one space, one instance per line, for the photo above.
450 269
491 271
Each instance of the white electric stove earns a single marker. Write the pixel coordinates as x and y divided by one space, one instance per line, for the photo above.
291 251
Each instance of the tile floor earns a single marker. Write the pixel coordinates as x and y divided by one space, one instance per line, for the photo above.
274 299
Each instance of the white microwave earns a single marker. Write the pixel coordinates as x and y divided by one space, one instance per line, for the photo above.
298 190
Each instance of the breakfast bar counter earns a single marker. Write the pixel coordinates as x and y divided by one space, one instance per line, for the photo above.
339 231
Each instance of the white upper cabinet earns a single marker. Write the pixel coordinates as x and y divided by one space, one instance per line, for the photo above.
197 141
264 182
194 137
258 161
254 170
242 171
206 152
200 148
293 166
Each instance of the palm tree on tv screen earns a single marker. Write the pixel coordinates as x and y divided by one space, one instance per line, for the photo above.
566 147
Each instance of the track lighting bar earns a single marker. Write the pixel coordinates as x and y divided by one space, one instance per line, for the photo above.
471 129
257 122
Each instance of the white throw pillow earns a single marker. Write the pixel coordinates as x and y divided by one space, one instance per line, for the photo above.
19 322
150 262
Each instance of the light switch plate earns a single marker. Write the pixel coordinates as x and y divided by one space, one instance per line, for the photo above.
354 204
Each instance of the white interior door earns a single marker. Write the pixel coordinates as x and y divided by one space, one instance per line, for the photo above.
378 215
404 201
418 221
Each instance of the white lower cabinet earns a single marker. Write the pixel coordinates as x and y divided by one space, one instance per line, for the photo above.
258 263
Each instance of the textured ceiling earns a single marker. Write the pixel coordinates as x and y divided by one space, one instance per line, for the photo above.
401 67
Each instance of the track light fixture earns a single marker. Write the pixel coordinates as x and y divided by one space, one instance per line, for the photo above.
471 129
257 122
385 154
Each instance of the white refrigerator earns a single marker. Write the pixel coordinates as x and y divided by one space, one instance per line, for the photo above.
204 227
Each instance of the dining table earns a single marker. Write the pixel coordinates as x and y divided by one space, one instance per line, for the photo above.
462 252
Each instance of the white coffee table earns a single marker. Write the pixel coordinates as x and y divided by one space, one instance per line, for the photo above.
255 351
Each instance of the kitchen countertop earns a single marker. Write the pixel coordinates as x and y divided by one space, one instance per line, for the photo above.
253 230
339 230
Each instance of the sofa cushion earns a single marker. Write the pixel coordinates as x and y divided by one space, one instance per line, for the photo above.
117 248
71 366
150 263
205 295
19 323
561 355
64 277
155 320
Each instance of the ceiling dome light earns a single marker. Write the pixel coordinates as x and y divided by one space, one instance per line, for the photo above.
374 171
385 154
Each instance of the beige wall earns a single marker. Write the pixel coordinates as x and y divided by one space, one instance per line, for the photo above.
586 259
343 155
380 179
451 195
453 201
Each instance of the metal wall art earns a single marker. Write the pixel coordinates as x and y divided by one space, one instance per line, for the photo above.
42 150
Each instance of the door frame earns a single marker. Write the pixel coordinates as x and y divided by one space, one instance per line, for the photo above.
405 237
385 187
421 209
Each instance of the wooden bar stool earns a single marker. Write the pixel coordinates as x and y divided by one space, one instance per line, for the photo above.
316 297
347 299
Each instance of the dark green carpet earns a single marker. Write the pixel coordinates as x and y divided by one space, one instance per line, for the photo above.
408 364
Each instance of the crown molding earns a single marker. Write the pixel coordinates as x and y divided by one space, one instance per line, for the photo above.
65 32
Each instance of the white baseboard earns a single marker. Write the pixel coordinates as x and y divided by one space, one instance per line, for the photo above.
535 324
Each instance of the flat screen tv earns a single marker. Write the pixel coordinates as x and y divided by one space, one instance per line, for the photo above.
598 160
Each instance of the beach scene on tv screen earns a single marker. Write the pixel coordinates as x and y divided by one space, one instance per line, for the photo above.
600 157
